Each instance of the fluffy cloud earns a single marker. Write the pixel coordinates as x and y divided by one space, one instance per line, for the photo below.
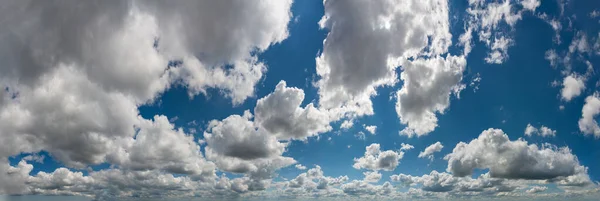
372 129
236 145
573 85
517 159
372 176
428 85
537 189
280 114
375 159
366 41
587 124
430 150
74 74
542 131
300 167
444 182
406 147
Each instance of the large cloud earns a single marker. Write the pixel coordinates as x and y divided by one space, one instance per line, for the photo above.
366 41
280 114
428 85
517 159
75 73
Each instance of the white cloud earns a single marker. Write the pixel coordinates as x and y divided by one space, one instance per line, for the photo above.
430 150
300 167
512 159
236 145
372 129
372 176
587 123
406 147
537 189
280 114
530 4
573 85
78 72
364 46
499 50
428 85
542 131
375 159
347 124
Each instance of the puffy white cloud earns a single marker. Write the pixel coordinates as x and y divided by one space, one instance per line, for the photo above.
375 159
445 182
537 189
406 147
362 188
158 145
236 145
428 85
542 131
517 159
587 123
573 85
280 114
430 150
314 180
372 176
372 128
366 41
300 167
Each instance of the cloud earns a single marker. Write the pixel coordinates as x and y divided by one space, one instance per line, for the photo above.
542 131
75 74
366 40
372 177
430 150
375 159
346 124
587 123
300 167
236 145
573 85
537 189
428 85
517 159
406 147
372 128
281 115
530 4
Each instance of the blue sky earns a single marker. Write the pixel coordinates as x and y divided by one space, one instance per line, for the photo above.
96 117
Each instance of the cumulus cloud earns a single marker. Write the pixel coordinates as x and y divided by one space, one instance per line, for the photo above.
406 147
542 131
300 167
372 176
517 159
375 159
587 123
372 128
428 85
430 150
365 42
280 114
75 74
573 85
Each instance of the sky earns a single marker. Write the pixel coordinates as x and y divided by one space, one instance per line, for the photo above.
300 100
